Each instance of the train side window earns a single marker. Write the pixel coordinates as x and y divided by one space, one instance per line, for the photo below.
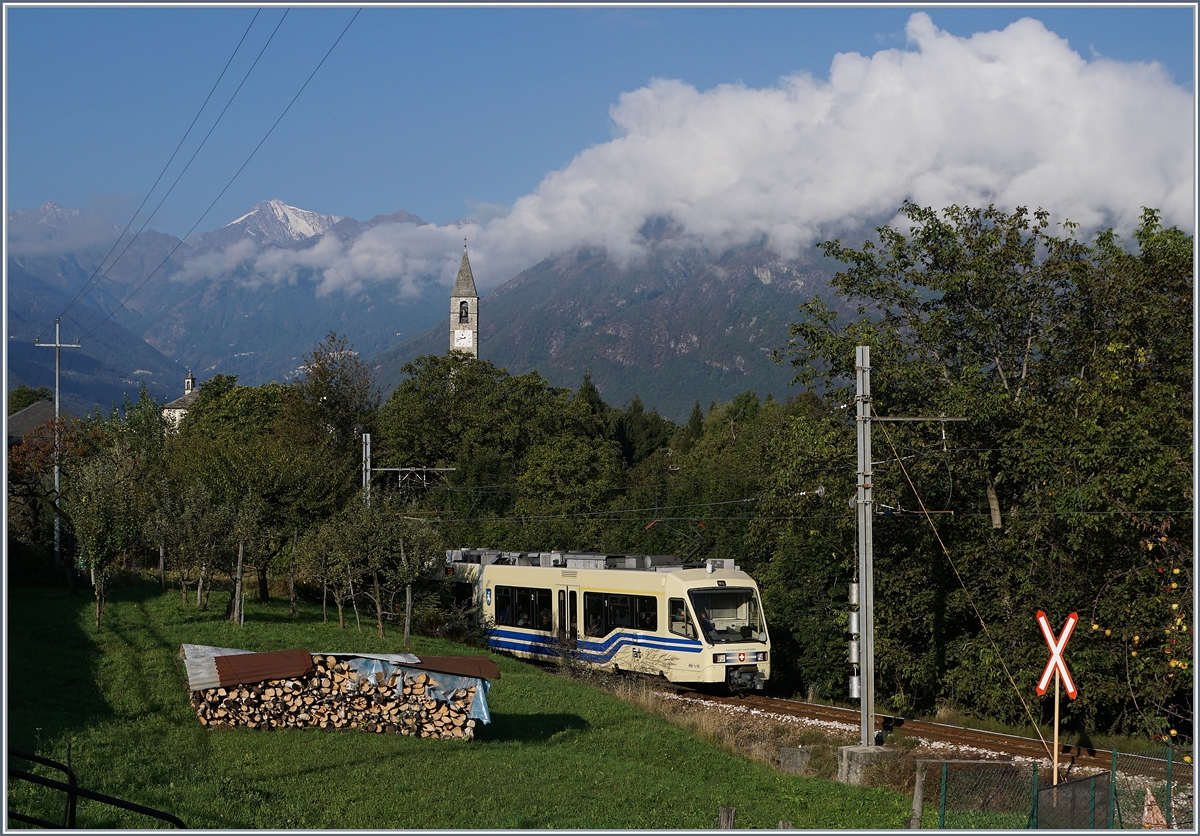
504 606
620 611
574 615
647 613
681 620
541 604
524 607
562 612
593 614
464 594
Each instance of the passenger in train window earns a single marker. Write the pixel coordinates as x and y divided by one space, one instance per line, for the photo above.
705 624
593 626
648 621
523 621
544 620
678 618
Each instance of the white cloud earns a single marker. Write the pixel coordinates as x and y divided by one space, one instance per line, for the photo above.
1012 117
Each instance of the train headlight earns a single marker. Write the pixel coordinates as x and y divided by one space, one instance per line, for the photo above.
761 656
718 658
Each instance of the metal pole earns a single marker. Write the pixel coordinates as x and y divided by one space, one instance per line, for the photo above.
1056 698
1170 803
1112 792
366 468
58 346
866 562
57 445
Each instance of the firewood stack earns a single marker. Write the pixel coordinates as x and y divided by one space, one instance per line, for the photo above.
333 697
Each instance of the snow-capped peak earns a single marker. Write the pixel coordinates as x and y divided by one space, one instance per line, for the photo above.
276 221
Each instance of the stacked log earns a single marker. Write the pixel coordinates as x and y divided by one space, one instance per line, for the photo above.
333 697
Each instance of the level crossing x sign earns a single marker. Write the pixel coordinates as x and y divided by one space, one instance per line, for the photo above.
1057 646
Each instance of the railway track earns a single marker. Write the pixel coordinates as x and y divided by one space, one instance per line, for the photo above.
1006 744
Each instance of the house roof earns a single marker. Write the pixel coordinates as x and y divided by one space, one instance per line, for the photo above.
464 285
183 402
25 421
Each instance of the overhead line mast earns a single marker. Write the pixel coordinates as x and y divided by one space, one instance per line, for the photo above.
865 512
57 345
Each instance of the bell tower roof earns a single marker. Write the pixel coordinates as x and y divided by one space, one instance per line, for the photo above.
464 285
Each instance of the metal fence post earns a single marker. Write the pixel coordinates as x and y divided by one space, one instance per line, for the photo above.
1170 758
1112 792
942 801
1033 809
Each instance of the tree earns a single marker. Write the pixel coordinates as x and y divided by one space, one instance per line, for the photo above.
24 396
638 432
242 444
105 516
1072 365
336 396
459 412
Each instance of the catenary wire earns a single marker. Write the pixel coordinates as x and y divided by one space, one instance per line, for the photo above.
232 179
93 278
71 359
967 590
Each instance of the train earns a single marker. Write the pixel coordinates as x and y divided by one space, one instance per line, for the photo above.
690 622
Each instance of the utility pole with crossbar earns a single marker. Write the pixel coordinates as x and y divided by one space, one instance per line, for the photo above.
866 556
58 345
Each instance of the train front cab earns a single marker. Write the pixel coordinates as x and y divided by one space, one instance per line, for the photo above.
727 613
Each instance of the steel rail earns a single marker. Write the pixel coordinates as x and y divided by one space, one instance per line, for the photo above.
1008 744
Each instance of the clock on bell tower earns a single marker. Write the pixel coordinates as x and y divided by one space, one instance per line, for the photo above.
464 310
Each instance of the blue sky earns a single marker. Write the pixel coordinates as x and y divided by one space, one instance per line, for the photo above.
443 112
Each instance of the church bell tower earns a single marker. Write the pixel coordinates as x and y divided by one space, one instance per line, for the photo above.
464 310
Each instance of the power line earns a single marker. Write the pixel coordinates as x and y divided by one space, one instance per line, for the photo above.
92 279
233 178
970 597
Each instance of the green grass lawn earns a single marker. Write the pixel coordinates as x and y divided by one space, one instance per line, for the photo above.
558 753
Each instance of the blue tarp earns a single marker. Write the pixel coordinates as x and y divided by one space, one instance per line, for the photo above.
441 687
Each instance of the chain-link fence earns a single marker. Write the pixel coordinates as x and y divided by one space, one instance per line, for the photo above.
1146 790
975 795
1155 789
1079 804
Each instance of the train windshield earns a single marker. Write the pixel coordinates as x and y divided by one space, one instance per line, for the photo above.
729 615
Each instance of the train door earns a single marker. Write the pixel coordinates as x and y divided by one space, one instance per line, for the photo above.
568 612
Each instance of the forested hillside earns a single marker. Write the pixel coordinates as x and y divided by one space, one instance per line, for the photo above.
1068 488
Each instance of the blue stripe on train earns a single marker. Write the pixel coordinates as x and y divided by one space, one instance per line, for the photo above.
589 651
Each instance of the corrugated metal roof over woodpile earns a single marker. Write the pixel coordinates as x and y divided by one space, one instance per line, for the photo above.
213 667
245 668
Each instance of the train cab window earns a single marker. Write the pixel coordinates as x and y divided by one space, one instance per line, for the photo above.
734 614
680 619
523 607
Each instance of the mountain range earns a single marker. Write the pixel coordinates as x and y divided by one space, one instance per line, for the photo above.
680 324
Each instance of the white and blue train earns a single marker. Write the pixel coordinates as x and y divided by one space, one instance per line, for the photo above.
699 622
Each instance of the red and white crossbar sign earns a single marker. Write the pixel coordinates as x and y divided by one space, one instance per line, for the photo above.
1057 646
